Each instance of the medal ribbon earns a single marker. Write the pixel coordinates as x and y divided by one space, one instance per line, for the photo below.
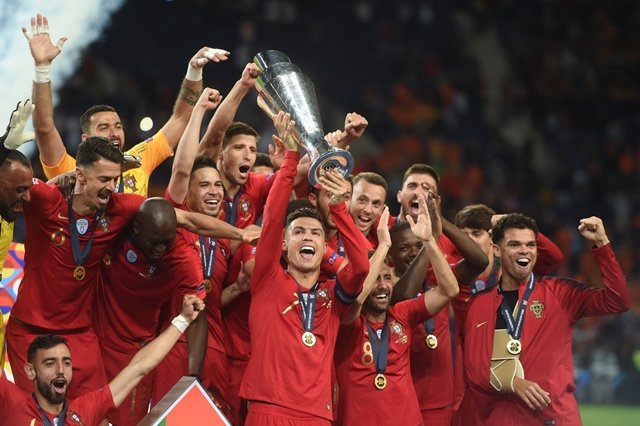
120 186
231 208
515 330
340 246
80 254
208 254
45 420
478 285
308 307
380 347
430 324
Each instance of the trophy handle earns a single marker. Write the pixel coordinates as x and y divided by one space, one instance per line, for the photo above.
333 159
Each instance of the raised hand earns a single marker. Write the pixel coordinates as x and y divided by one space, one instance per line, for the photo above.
191 307
337 139
433 204
384 238
531 393
335 184
42 49
206 55
422 228
209 99
354 126
276 152
15 135
243 280
592 229
285 127
251 234
249 75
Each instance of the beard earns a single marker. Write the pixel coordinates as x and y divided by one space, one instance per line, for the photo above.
45 390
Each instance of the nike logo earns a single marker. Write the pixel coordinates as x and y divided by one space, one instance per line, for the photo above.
480 324
62 217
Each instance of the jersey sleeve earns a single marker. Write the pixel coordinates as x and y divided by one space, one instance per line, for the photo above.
413 311
188 274
269 246
352 276
331 261
580 300
152 152
549 255
66 164
94 406
263 186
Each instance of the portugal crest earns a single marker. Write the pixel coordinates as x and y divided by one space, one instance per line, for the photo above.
536 307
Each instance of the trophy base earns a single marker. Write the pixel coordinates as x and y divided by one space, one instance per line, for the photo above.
334 159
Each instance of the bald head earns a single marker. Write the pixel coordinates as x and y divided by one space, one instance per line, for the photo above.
155 228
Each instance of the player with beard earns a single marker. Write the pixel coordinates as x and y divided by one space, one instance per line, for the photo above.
536 340
103 120
373 351
49 367
294 316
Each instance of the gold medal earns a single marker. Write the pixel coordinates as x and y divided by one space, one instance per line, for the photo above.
431 341
380 381
79 273
308 338
207 285
514 347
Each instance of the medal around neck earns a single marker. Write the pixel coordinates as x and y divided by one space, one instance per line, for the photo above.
79 273
514 347
308 338
380 381
282 86
431 341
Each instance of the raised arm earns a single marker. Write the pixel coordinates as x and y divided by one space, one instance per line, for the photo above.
151 354
351 278
474 260
188 147
224 116
190 92
375 265
447 288
44 52
197 340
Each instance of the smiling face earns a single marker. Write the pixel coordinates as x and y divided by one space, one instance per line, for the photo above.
413 186
237 158
106 124
380 297
304 244
51 372
367 204
518 252
206 191
16 181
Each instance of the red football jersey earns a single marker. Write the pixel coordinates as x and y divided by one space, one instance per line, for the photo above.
361 403
554 306
88 409
282 370
249 201
49 295
131 292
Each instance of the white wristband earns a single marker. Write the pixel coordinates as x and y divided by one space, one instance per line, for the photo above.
180 323
43 73
193 74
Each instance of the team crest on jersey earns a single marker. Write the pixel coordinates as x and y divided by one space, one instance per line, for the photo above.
245 208
82 225
323 297
104 223
536 307
397 329
75 418
130 182
132 256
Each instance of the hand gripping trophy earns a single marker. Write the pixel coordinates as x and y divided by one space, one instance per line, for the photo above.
282 86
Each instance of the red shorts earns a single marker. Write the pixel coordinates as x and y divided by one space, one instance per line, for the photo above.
88 370
261 414
136 405
176 365
237 404
437 417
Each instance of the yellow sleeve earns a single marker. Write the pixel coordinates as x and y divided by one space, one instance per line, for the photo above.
6 237
66 164
152 152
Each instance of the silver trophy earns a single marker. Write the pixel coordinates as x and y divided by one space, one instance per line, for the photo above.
283 87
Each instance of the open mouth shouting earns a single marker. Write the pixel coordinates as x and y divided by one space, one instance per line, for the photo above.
104 196
59 386
307 252
212 203
244 171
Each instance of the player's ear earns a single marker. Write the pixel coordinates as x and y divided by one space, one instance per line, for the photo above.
30 371
399 197
284 245
496 250
313 199
84 137
80 175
